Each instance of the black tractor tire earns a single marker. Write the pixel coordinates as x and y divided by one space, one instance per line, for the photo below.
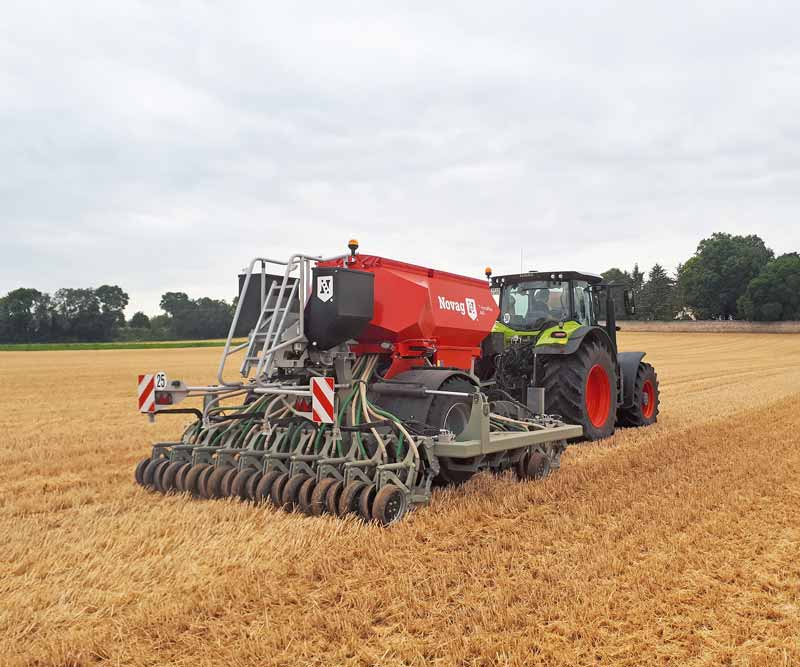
452 413
582 389
646 399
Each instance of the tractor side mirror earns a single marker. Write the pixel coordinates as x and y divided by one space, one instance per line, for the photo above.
629 301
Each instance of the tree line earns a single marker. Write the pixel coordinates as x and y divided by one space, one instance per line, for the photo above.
98 314
728 277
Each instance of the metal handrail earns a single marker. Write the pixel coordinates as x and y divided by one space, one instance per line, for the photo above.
300 291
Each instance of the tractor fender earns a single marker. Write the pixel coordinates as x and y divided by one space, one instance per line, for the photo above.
628 368
575 340
404 395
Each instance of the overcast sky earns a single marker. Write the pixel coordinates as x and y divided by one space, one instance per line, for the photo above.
160 146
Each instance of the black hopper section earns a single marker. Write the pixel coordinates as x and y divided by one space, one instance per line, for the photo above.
251 306
341 304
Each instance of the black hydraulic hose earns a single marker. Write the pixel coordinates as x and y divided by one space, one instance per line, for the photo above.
181 411
237 415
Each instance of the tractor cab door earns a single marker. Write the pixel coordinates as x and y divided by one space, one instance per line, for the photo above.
584 299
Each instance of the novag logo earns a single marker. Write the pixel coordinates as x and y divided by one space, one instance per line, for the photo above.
466 307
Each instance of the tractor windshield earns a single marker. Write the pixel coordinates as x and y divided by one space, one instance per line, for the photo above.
527 306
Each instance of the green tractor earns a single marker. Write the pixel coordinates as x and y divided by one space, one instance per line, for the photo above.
551 351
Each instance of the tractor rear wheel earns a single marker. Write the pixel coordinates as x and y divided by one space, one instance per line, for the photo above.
644 410
581 387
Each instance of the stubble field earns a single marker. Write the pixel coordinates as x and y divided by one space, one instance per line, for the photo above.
674 545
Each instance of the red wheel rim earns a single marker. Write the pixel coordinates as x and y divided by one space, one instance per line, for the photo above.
598 396
648 399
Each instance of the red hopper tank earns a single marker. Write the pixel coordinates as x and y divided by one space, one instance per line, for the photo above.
423 312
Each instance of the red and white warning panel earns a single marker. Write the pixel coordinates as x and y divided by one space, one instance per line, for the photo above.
148 385
322 393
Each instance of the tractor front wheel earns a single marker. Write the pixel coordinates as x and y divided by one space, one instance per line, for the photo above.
644 409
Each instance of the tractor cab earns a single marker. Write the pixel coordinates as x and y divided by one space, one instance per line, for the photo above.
546 303
530 302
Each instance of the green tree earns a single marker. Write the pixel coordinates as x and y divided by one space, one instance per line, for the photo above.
113 301
25 316
657 296
78 315
774 294
139 321
196 318
718 274
619 277
615 275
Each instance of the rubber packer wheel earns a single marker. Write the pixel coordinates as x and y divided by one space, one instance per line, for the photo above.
304 496
214 481
240 483
318 496
202 482
264 487
538 466
332 498
521 466
366 500
227 483
149 471
168 478
646 399
581 387
276 492
138 474
250 487
348 501
192 477
158 474
291 491
180 478
390 505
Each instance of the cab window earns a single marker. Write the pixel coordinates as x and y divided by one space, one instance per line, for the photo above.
528 305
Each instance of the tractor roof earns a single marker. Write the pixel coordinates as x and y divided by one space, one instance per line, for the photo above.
590 278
